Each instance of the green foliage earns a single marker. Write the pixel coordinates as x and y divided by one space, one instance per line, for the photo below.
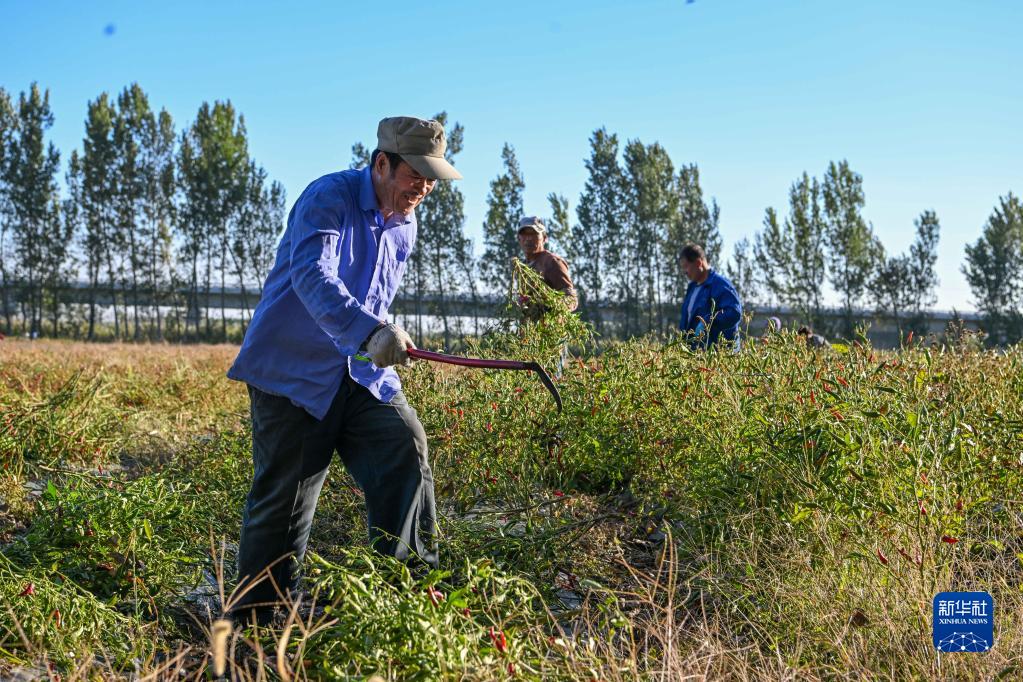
994 270
39 241
474 623
808 504
741 273
854 250
214 170
504 210
791 255
598 236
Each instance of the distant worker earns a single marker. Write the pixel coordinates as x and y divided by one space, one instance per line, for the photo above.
711 308
812 340
554 270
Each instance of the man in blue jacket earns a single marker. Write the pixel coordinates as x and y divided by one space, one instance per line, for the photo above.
317 360
711 309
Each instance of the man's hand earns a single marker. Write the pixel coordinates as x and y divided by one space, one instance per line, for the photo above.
388 345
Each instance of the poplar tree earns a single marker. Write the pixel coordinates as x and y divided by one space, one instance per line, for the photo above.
791 255
854 251
130 132
96 200
923 256
8 126
598 234
158 209
266 235
34 204
741 271
994 271
904 285
559 227
213 165
652 206
504 210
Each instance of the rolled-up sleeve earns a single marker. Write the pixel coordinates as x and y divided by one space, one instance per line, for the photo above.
315 277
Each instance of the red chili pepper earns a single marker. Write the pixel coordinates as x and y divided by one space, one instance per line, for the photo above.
882 558
837 414
465 612
909 339
923 477
843 382
959 505
511 668
490 427
949 539
923 509
497 637
56 617
558 493
29 590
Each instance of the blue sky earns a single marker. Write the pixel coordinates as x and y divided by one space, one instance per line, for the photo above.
922 98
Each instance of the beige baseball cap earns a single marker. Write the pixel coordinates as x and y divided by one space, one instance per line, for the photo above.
532 222
421 143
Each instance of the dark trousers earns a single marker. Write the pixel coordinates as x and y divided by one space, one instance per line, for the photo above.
383 447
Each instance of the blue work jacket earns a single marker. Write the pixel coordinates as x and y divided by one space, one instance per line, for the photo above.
337 270
717 297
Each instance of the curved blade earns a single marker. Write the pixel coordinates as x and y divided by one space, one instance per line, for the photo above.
545 378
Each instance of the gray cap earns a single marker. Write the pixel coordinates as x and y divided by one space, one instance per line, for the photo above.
532 222
420 143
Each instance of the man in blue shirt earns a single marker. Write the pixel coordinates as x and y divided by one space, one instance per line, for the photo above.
318 360
711 308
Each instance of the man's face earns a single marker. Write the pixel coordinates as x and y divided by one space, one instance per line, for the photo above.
694 269
400 189
531 242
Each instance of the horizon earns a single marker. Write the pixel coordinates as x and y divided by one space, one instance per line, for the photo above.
753 94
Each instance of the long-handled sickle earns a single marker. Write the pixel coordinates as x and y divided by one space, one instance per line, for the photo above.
490 364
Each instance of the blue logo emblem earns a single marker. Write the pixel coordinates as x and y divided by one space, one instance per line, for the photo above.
964 621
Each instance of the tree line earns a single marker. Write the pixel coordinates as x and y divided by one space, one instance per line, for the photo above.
149 222
152 223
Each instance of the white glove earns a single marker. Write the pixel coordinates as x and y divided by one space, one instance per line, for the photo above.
389 345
